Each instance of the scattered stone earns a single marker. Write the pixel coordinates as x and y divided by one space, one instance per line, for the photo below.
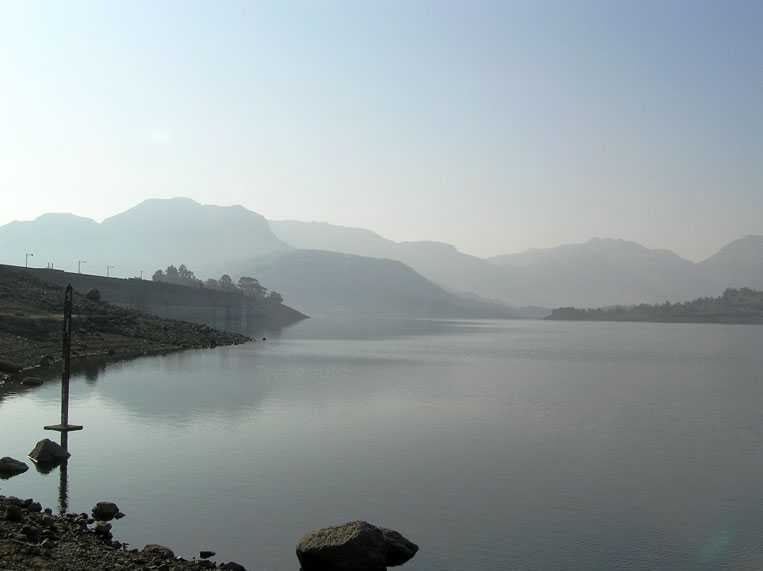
103 530
154 550
105 511
13 513
48 452
232 566
31 381
206 554
11 467
31 533
398 548
8 367
347 547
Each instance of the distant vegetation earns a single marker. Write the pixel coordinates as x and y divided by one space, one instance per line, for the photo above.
743 305
248 286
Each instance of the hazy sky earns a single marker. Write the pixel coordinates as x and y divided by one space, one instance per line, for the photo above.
494 126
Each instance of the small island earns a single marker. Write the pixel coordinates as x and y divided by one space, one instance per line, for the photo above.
742 305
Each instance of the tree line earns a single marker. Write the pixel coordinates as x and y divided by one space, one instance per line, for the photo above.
245 285
743 305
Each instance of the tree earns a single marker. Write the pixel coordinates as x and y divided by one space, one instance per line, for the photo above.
173 276
251 287
185 274
275 297
212 284
226 283
158 276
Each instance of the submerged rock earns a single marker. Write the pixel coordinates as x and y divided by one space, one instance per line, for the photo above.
347 547
47 452
398 548
105 511
353 546
11 467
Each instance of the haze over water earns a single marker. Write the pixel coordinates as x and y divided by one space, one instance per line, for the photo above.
493 445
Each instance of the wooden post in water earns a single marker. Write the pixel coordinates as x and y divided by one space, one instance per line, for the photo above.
64 426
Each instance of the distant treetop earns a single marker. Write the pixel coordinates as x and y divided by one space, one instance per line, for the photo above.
247 286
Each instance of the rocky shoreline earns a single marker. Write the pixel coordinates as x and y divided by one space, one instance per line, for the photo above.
35 538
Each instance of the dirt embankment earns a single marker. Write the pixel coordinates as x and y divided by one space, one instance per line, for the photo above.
31 314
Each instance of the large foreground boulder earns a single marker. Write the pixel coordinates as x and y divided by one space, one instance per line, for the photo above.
47 452
353 546
11 467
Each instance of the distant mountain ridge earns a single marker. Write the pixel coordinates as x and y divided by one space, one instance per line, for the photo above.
153 234
598 272
212 240
215 239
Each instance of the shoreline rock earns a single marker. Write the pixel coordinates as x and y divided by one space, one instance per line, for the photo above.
353 546
105 511
48 453
10 467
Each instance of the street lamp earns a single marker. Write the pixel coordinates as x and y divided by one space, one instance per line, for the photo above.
79 265
26 258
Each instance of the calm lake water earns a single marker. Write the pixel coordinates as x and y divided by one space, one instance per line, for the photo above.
512 445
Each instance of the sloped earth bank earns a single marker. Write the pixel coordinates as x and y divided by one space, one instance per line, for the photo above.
31 328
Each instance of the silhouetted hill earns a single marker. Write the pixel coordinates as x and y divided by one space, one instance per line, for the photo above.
601 272
440 262
598 272
320 282
153 234
738 264
213 240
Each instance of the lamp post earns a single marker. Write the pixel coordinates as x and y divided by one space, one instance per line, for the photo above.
79 265
26 258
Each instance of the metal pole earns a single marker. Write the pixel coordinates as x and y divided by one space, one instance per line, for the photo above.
67 350
64 426
26 258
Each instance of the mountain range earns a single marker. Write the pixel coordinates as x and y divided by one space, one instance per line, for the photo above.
320 267
595 273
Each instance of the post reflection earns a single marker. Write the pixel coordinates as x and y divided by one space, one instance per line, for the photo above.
63 477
